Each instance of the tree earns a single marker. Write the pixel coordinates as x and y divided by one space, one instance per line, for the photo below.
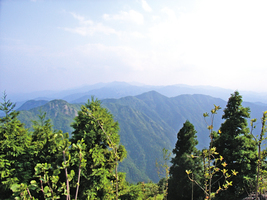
61 168
47 149
259 184
180 187
50 163
163 171
212 165
237 147
100 179
14 145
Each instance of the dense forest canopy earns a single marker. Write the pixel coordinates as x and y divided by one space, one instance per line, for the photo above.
41 162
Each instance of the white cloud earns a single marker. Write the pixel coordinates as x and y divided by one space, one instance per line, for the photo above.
145 6
137 34
81 19
170 13
131 16
127 63
219 43
128 58
89 27
92 30
224 40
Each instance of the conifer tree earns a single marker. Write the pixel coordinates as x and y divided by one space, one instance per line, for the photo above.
100 179
14 146
237 147
180 187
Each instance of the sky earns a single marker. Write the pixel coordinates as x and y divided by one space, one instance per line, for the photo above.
63 44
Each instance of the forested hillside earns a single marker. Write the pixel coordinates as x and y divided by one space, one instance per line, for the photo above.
148 123
147 127
59 111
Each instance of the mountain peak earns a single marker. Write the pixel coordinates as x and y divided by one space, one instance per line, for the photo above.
118 84
151 94
58 101
32 104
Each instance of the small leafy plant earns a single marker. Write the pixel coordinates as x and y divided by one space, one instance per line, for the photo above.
213 167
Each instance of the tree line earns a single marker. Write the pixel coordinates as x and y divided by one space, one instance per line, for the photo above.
231 168
43 163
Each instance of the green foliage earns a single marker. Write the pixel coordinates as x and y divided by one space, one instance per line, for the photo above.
22 191
54 181
47 146
261 156
164 170
141 191
237 147
60 112
134 192
95 125
14 145
32 164
212 165
180 187
62 168
44 164
147 123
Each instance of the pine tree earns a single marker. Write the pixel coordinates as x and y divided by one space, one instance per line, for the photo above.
14 146
237 147
180 187
100 179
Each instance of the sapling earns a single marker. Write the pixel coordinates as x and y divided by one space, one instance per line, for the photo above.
259 143
212 164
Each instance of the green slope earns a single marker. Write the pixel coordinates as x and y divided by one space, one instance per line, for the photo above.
59 111
32 104
148 123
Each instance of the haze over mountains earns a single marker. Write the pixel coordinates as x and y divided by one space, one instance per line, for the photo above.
149 121
122 89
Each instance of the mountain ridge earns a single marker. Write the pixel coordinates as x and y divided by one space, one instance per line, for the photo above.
148 123
122 89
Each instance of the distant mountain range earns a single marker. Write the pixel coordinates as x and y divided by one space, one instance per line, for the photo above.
148 122
122 89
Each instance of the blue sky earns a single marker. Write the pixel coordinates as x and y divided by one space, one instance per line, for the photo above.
62 44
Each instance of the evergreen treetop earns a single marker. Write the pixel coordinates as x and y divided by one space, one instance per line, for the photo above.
237 147
180 187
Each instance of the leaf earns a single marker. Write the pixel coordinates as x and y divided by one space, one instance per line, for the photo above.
224 164
210 127
188 171
205 114
234 172
15 187
33 182
224 171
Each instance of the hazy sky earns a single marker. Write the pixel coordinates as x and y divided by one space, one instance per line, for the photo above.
61 44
